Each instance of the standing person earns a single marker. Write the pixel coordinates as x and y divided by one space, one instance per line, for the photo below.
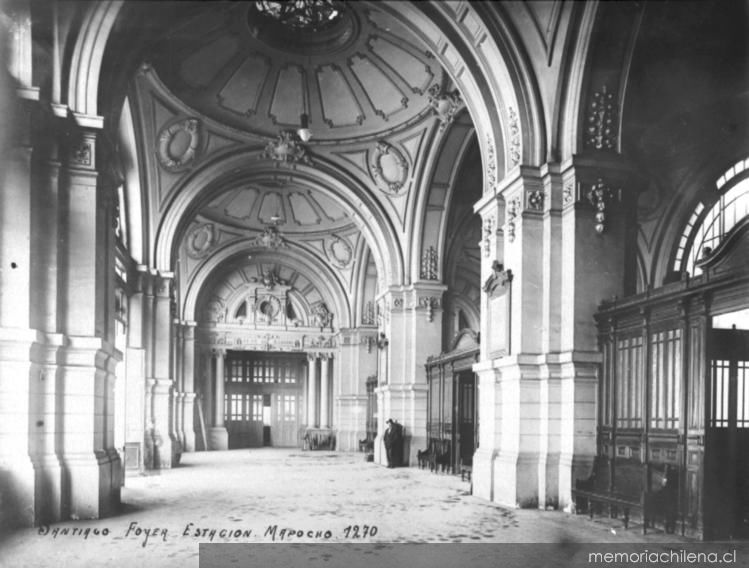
397 444
388 439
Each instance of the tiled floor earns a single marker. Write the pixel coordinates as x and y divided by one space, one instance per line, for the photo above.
241 495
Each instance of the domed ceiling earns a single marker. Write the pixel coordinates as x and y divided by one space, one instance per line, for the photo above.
291 208
363 74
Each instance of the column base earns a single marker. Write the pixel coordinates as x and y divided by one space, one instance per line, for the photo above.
218 438
188 414
348 440
48 489
482 475
17 494
166 451
93 492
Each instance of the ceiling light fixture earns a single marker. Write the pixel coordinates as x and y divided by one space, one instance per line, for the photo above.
301 15
303 131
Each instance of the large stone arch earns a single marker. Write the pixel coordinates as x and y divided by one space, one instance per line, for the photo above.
432 202
195 189
475 45
481 53
315 269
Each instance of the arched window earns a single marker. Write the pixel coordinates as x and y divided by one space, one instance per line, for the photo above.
705 229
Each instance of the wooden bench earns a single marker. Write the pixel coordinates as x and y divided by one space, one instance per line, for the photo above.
618 489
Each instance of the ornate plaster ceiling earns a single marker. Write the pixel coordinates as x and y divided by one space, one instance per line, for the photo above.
364 76
291 208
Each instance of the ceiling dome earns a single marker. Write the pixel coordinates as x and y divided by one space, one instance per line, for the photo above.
293 209
360 75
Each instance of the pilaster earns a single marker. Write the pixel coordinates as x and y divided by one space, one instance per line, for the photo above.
166 447
218 437
412 327
357 360
188 385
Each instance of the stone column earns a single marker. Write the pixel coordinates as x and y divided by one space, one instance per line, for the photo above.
412 325
325 390
538 351
86 260
188 370
135 385
356 360
311 390
218 436
597 195
177 398
166 446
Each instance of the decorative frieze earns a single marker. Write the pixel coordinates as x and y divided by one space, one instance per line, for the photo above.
601 131
429 268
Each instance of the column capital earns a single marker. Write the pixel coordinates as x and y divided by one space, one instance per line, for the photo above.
218 352
163 284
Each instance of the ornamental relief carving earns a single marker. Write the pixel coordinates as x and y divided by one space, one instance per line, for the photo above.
602 127
444 104
286 148
488 232
514 208
340 252
514 137
491 163
178 144
535 200
389 168
201 240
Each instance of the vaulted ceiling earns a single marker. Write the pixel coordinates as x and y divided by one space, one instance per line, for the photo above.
363 76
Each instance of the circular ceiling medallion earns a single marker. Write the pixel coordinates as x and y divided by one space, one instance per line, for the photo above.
389 167
340 251
177 144
201 240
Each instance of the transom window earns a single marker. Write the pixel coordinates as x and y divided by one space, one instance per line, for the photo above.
705 230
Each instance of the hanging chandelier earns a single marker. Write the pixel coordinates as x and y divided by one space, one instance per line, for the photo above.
301 15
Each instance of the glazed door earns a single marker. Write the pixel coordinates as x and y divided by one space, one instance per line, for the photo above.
727 437
263 398
466 417
285 419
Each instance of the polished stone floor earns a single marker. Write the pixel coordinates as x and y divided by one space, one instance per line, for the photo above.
290 496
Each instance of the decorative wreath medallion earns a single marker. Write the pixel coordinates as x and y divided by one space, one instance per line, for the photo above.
268 307
177 144
389 167
200 240
340 251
